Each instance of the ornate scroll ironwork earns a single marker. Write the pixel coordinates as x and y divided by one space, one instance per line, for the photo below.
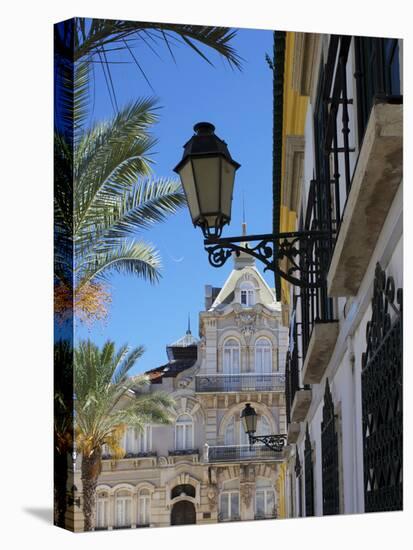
329 451
309 476
276 442
303 266
382 398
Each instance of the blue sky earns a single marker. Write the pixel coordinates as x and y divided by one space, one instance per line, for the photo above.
239 104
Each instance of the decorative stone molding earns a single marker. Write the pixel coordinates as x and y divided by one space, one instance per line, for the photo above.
294 165
305 54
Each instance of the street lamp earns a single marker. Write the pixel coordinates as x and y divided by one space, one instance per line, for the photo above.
275 442
207 172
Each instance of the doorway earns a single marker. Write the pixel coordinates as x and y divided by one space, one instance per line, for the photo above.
183 513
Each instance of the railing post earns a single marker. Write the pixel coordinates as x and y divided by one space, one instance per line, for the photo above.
206 452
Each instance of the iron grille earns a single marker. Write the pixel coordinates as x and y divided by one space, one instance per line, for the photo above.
377 75
382 394
309 476
329 451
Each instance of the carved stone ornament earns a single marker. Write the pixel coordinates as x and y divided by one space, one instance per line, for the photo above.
246 323
162 461
212 494
246 493
184 382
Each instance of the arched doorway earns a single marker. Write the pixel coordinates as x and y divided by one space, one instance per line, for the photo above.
183 513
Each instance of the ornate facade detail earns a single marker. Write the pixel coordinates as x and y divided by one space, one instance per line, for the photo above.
246 493
212 494
246 322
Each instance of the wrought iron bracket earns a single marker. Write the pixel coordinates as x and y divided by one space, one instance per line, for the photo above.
303 268
274 442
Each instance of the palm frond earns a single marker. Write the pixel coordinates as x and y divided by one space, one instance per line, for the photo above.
129 258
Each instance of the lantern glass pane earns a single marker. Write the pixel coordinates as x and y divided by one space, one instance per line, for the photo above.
207 180
228 176
187 178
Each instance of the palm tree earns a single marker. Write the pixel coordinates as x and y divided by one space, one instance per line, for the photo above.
107 401
104 194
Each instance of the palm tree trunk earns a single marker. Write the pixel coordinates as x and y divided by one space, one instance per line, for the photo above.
60 483
90 472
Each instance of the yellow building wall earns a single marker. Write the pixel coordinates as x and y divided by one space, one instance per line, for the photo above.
294 114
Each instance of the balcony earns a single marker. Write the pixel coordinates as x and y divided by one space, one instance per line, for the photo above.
238 453
375 182
274 382
320 348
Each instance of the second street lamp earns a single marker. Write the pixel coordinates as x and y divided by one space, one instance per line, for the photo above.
207 173
275 442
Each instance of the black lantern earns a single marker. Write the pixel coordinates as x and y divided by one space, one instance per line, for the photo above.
249 419
207 173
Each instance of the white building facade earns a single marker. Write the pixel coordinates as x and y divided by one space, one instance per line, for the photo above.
343 175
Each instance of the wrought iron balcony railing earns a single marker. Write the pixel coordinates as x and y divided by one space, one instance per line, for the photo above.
147 454
235 453
240 382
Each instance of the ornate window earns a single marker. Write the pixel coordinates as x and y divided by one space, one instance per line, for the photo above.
231 356
229 501
382 399
144 507
184 432
247 294
102 510
264 499
329 452
263 356
309 476
123 507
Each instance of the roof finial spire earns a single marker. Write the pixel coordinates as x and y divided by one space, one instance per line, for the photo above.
189 324
244 224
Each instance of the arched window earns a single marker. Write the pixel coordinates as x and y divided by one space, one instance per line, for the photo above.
263 356
184 432
102 510
229 501
264 499
231 356
144 507
123 506
247 294
145 439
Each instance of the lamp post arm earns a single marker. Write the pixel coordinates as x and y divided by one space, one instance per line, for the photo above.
291 254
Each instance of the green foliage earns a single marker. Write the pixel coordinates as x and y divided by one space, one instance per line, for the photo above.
107 400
